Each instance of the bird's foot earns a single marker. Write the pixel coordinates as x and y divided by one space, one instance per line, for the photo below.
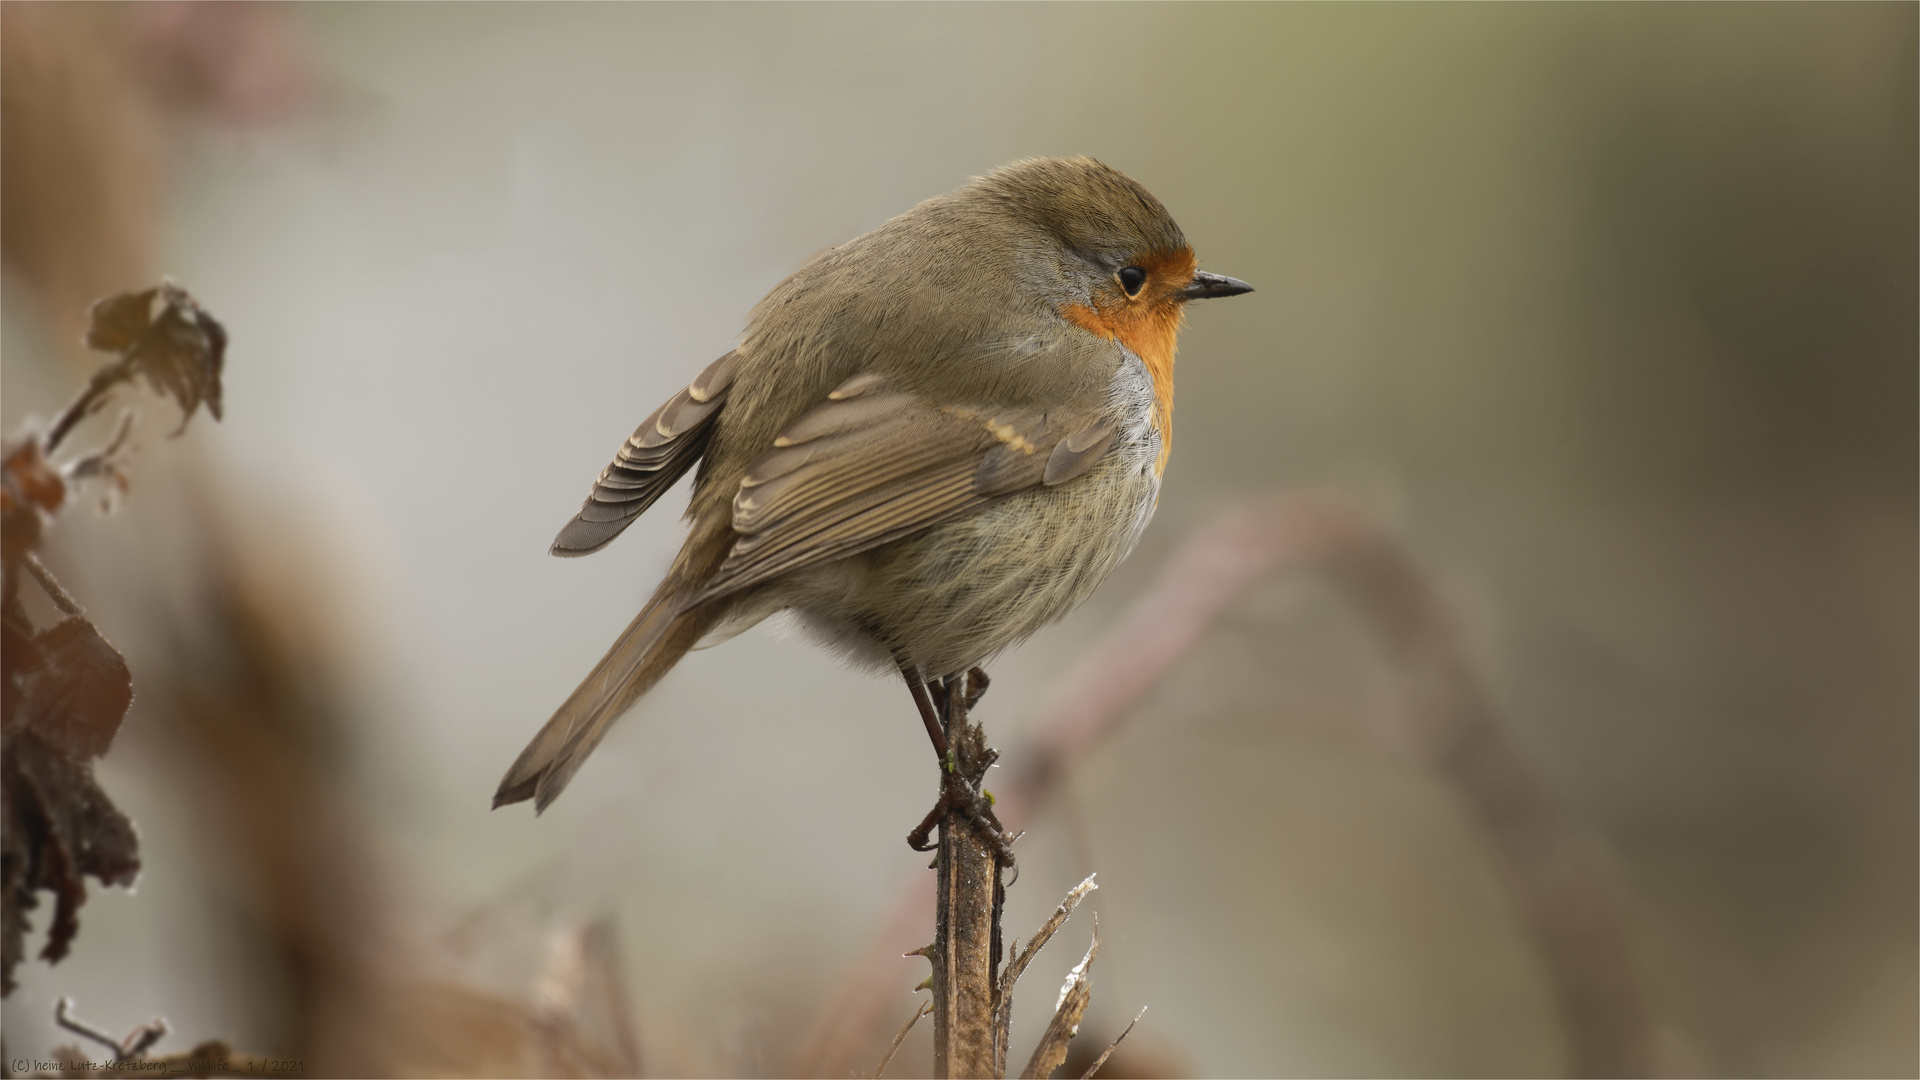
961 799
944 705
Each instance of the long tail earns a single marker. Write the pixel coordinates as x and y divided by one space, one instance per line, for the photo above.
649 647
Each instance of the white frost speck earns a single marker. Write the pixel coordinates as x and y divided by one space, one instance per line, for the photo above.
1078 974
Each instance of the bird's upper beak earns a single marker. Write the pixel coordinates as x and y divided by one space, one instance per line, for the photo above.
1205 285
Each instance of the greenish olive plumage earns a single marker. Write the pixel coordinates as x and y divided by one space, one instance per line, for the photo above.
932 441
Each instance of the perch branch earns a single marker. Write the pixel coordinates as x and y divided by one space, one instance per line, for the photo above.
967 905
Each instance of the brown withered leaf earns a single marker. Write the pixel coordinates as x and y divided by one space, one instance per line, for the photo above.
116 323
29 478
163 334
67 690
59 827
30 488
78 693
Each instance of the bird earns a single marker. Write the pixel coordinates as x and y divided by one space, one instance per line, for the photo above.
928 443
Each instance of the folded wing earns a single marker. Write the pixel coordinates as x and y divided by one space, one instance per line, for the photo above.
873 464
657 454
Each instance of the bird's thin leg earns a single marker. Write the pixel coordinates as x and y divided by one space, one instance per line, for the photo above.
958 795
930 716
917 686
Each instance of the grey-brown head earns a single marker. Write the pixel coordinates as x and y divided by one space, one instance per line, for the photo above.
1117 246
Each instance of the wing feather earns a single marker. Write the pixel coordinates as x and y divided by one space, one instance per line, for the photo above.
654 457
872 464
888 516
1077 452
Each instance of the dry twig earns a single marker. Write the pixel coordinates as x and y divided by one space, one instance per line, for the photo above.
211 1058
968 899
1074 996
131 1048
1017 966
1112 1046
894 1048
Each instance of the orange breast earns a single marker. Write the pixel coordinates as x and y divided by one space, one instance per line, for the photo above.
1149 325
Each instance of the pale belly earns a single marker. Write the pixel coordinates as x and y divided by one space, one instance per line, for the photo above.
957 594
953 596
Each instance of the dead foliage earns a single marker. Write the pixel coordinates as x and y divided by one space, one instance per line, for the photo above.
65 689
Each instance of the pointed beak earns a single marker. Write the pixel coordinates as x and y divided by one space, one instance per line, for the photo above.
1206 286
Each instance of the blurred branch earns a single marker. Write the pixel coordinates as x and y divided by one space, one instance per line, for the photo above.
51 586
211 1058
249 701
1557 871
584 1010
853 1012
131 1048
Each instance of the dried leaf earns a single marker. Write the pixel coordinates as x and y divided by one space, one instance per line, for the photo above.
67 690
30 480
116 323
59 826
163 335
76 696
30 489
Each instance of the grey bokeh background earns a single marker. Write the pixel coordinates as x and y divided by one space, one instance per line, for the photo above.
1613 308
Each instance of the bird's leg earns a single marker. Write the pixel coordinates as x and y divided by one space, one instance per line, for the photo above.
930 716
943 709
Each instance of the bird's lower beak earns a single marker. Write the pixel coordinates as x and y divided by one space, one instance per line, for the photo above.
1205 286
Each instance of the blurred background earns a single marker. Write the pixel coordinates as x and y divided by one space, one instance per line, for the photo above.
1602 317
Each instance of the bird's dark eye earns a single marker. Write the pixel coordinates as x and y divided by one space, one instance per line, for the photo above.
1131 279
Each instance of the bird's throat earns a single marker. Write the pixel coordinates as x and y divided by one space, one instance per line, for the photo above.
1151 332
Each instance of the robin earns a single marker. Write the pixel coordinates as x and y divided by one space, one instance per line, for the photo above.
932 441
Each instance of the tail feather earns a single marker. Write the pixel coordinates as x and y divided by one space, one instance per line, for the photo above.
649 647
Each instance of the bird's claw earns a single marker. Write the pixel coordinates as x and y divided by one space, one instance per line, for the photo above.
958 797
